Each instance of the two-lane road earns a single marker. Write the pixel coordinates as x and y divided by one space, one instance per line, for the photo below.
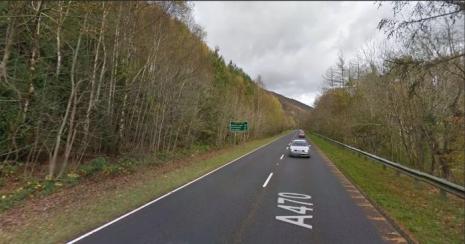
264 197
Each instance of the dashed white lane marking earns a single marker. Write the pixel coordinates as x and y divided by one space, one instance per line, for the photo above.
167 194
282 156
267 180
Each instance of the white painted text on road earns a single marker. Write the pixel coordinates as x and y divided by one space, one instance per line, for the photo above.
298 207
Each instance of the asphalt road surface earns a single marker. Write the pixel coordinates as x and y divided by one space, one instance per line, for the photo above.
264 197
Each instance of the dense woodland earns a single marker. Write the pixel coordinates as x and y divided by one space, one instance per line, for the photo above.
404 101
84 79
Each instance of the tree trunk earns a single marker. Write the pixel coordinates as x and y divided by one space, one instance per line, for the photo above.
53 160
93 78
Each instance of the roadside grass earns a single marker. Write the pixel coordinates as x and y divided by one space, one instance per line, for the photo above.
414 206
22 189
67 222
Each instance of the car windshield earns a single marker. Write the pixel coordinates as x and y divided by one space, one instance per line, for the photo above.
299 143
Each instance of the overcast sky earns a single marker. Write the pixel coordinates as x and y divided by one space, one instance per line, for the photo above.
290 44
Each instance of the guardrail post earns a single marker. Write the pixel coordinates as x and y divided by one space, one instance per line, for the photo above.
397 173
384 167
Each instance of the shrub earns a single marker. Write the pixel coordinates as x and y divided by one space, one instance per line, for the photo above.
7 170
71 179
48 186
93 167
8 200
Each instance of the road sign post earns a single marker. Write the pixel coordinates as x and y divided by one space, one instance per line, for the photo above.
238 126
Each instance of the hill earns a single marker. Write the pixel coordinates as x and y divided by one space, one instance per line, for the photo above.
287 100
300 112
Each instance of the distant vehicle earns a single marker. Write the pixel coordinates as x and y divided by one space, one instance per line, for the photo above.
301 134
299 148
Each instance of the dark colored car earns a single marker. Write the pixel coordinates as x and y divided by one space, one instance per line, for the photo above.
301 134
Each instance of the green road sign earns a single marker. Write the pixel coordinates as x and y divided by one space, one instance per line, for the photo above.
238 126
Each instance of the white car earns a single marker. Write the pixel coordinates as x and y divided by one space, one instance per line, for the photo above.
299 148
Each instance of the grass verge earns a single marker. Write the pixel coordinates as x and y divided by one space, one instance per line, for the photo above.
414 206
103 204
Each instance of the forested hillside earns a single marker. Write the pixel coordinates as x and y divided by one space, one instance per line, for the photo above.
80 80
299 112
406 102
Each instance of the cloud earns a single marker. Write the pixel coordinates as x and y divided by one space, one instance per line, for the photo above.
290 44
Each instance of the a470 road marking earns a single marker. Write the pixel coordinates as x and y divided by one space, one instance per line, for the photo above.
300 206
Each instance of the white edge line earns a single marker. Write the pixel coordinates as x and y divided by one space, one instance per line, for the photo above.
167 194
282 156
267 179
